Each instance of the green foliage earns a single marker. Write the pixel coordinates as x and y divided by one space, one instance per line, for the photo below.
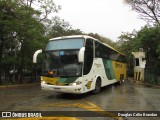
26 28
60 27
158 51
147 38
102 39
126 46
20 35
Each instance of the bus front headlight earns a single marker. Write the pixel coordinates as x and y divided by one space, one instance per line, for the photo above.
43 82
76 83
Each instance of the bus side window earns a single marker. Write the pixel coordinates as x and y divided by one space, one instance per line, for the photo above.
98 50
88 57
101 51
105 53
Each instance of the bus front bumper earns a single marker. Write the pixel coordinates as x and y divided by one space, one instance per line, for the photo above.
76 89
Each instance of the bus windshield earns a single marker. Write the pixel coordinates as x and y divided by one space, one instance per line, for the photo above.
73 43
61 58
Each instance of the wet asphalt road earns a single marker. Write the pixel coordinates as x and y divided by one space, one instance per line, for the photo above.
126 97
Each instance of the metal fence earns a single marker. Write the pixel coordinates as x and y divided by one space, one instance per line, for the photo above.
152 76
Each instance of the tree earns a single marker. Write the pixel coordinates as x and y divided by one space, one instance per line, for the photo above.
149 9
44 7
59 27
25 27
126 45
8 19
148 39
19 28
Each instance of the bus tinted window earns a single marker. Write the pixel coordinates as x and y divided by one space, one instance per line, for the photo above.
88 58
98 49
105 52
102 51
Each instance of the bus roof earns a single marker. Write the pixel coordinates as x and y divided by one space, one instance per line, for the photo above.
72 36
112 48
85 37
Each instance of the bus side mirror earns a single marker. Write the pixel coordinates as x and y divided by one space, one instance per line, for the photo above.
81 55
35 55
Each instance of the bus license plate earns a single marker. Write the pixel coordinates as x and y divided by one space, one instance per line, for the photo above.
57 88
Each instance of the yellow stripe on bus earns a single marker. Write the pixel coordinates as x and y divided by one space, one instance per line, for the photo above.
50 80
119 69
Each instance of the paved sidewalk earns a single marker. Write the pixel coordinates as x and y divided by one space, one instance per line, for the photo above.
142 83
19 86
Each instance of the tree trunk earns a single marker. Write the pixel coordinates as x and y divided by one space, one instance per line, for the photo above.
22 64
1 53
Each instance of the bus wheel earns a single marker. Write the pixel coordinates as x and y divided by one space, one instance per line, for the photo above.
97 86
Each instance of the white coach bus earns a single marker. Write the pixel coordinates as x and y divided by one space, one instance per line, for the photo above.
79 64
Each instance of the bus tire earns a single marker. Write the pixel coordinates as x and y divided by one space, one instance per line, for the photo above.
97 86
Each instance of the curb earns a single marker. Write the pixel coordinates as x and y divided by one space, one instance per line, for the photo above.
19 86
137 82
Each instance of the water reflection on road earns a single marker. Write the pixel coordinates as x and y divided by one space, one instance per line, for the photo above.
126 97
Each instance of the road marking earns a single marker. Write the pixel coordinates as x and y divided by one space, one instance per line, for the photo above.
85 104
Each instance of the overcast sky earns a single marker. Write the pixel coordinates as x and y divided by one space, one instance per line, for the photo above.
106 17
